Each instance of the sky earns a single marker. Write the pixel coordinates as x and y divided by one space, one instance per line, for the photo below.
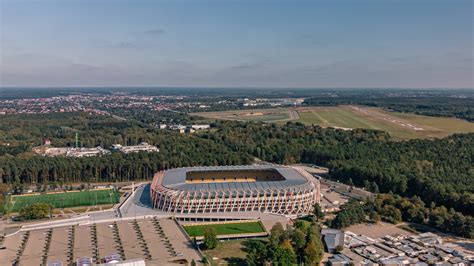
227 43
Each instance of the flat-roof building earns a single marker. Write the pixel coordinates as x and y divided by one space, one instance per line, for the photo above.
332 239
145 147
281 190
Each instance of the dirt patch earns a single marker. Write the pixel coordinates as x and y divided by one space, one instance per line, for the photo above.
377 230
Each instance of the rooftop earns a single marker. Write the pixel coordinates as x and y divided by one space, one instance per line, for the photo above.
332 238
177 178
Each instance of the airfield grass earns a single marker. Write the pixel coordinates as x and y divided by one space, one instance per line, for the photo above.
446 125
225 229
345 117
334 117
67 199
266 117
350 118
263 115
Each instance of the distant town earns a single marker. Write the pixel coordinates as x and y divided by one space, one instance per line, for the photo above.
106 104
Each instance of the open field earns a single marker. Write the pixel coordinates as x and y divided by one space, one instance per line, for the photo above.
398 125
67 199
377 230
227 253
264 115
225 229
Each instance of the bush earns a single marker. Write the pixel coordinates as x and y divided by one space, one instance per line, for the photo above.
210 238
35 211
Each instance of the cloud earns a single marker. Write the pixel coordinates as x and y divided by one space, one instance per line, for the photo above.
154 32
124 45
338 66
245 66
119 45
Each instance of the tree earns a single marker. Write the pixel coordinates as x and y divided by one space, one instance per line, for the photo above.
375 188
276 233
256 252
299 239
374 216
301 224
286 244
283 255
35 211
317 212
392 214
313 252
193 263
4 189
210 238
351 212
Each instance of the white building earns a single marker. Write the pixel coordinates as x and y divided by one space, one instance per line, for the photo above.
86 152
136 148
200 127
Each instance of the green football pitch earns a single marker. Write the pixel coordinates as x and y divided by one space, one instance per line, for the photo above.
225 229
67 199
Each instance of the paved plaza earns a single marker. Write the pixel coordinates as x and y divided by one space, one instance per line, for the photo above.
159 241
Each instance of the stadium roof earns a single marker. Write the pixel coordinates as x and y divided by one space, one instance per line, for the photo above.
176 178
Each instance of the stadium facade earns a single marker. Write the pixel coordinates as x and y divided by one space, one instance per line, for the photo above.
282 190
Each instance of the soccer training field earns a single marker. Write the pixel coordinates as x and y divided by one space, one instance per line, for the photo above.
67 199
225 229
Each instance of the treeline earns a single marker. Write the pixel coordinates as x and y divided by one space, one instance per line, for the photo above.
152 117
395 209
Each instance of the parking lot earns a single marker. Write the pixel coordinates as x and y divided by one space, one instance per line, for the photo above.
158 241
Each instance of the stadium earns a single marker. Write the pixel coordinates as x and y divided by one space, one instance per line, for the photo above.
282 190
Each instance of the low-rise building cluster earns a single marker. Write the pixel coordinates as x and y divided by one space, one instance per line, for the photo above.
185 129
47 150
272 102
71 152
422 249
135 148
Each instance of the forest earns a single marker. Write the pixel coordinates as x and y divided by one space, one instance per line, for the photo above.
439 171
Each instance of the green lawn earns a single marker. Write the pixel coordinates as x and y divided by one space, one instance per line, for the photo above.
225 229
67 199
